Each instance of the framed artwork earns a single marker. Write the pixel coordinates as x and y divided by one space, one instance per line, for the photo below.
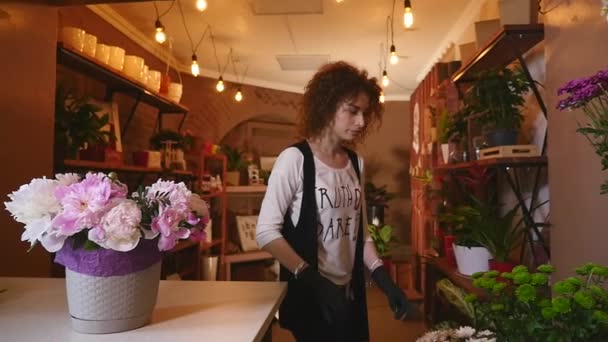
246 229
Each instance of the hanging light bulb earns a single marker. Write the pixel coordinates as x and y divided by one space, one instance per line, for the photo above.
160 35
408 16
220 84
394 59
381 97
385 80
195 68
339 1
201 5
239 95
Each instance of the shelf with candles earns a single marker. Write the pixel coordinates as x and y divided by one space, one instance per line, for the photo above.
94 165
502 49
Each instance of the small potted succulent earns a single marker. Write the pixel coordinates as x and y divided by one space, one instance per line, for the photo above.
235 164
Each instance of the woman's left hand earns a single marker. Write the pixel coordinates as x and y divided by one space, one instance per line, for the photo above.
396 297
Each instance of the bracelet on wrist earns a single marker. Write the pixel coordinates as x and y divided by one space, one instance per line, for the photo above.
299 269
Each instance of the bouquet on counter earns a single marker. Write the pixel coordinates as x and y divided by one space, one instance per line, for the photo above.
96 212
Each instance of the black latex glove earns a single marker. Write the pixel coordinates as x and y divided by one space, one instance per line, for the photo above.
332 300
396 297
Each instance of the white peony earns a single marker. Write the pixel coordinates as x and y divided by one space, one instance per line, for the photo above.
464 332
34 201
177 193
67 179
119 228
198 205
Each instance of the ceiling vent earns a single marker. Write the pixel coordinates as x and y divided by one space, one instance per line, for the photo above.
301 62
287 7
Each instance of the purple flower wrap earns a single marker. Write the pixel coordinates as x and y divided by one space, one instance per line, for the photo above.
106 262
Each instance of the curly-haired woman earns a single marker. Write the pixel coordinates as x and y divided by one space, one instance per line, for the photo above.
311 219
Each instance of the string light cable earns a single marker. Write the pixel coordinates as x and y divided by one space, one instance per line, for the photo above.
195 69
160 36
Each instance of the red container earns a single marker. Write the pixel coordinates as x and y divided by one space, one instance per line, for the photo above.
501 266
93 153
448 248
140 158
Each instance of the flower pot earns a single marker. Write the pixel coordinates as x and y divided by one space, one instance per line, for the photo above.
501 266
375 214
471 259
102 305
93 153
501 137
233 178
445 153
110 291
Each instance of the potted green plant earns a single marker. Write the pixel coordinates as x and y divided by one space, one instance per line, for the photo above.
78 126
376 199
235 164
466 222
499 95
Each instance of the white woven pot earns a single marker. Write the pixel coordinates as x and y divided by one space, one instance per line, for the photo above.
101 305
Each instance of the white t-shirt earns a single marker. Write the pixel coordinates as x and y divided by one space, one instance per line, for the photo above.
339 198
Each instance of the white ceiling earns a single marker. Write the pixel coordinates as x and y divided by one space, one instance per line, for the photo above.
352 30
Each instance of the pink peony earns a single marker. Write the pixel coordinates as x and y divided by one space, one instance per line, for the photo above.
167 225
84 203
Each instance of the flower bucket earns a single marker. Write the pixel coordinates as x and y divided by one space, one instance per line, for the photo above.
471 259
110 291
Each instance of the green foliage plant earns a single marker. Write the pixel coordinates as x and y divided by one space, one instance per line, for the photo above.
382 237
522 307
77 123
234 158
443 126
377 195
500 95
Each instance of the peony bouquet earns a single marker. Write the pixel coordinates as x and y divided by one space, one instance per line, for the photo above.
96 212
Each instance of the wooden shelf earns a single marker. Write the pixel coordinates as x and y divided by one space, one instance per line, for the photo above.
85 2
115 79
246 189
495 162
205 246
212 194
505 47
247 256
93 165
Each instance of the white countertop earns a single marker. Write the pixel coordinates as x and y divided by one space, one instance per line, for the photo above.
35 309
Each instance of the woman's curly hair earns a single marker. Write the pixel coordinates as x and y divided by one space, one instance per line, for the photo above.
328 89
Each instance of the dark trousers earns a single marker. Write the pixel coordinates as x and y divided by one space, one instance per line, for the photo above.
315 329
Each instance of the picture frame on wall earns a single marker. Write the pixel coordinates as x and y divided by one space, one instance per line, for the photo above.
246 229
